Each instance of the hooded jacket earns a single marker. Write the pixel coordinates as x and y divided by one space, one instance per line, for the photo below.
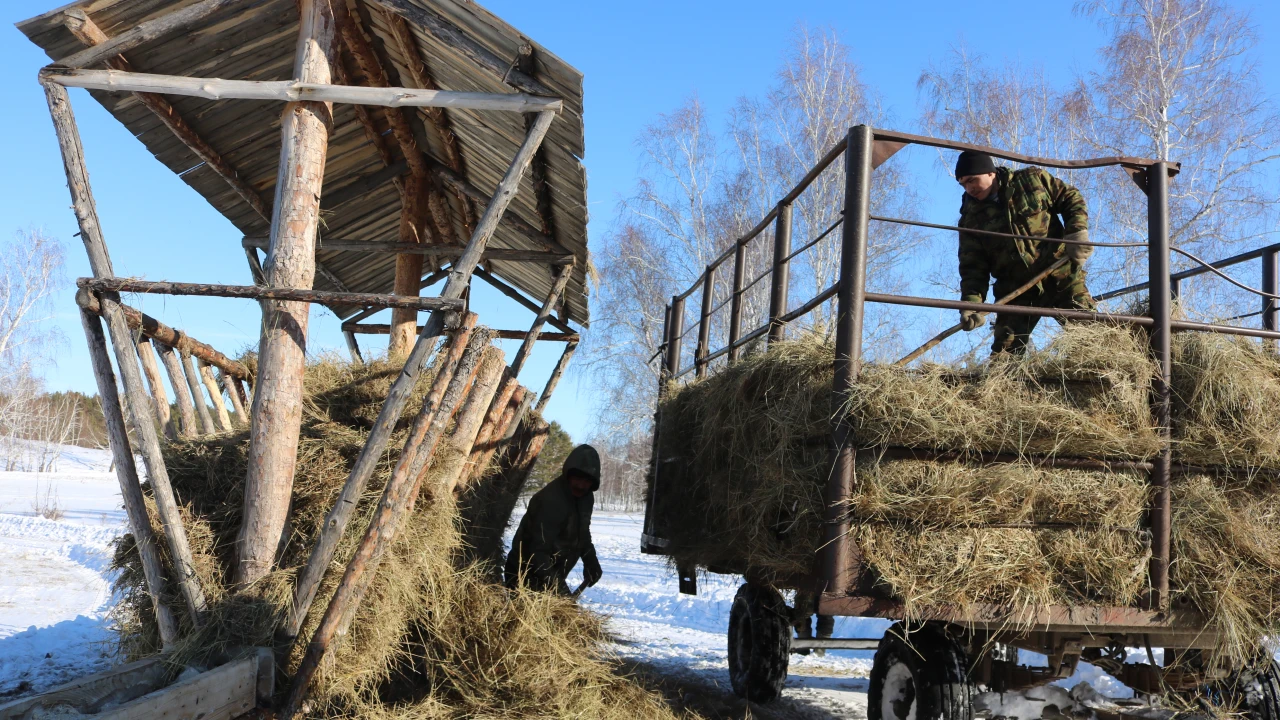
557 525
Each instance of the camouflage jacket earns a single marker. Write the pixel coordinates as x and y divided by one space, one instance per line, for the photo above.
1027 202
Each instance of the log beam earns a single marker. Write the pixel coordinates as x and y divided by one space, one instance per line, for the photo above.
215 395
554 380
293 295
237 402
193 384
435 251
413 217
165 335
151 369
277 407
548 306
497 284
385 329
453 463
353 347
86 212
400 493
294 91
181 393
494 430
135 505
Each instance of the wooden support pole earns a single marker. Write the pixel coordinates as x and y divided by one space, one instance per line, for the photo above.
493 433
135 506
402 388
471 416
489 427
401 492
354 347
237 403
295 91
548 306
151 369
276 417
335 523
64 125
291 296
197 397
154 29
413 218
555 377
181 392
215 396
165 335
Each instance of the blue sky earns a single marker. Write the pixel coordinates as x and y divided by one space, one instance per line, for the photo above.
639 60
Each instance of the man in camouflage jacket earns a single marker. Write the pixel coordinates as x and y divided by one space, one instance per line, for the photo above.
1023 202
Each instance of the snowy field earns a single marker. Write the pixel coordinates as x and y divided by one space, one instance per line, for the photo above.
54 587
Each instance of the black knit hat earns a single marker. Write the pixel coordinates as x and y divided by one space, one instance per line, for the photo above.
972 162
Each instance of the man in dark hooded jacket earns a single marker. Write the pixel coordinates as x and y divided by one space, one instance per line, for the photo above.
556 529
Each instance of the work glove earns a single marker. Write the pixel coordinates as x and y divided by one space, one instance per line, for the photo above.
971 320
591 570
1078 253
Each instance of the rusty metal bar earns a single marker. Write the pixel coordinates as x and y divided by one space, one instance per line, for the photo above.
675 326
704 322
1129 162
850 300
735 309
1198 270
1270 273
1161 400
994 233
808 307
781 274
663 376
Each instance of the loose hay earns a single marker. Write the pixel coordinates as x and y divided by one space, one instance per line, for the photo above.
433 637
744 458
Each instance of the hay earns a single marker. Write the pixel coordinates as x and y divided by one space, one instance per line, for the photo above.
433 637
745 458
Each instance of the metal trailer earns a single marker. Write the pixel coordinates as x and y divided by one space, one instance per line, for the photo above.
930 667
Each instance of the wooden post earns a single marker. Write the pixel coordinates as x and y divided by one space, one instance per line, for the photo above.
494 435
130 490
336 521
151 369
197 397
562 279
353 347
237 403
401 491
276 417
555 377
215 395
413 217
181 392
64 125
398 395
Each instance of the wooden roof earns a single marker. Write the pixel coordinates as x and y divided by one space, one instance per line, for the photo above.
255 40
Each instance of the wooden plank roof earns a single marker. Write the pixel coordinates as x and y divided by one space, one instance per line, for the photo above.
255 40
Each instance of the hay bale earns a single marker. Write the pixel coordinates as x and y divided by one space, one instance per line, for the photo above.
744 463
433 637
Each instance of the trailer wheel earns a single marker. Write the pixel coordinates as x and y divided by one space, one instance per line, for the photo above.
1254 692
759 643
919 676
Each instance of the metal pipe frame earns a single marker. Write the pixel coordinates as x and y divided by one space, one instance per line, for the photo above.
1160 513
704 322
675 327
848 361
735 309
1270 273
1198 270
781 274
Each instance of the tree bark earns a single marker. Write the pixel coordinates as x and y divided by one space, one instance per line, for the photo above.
495 438
151 369
277 403
215 395
470 417
413 217
291 296
181 392
135 505
122 346
399 494
237 403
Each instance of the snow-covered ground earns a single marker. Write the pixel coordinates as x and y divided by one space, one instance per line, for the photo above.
54 586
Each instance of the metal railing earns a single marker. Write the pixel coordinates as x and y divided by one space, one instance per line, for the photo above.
864 149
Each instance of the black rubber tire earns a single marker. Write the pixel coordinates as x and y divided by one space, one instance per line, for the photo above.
925 671
759 643
1255 692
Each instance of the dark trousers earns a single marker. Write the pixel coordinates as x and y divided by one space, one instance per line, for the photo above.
1063 289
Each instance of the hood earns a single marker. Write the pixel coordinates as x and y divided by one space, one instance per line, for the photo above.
586 460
